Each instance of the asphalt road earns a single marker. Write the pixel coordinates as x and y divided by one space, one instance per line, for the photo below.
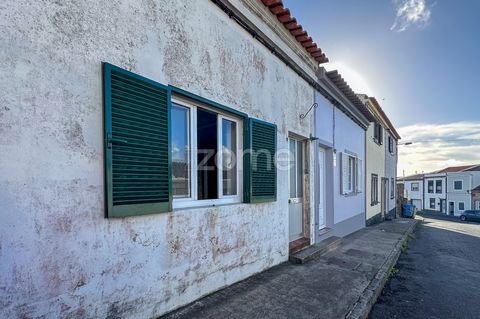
438 275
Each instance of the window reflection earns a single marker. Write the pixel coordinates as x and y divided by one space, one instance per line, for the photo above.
180 151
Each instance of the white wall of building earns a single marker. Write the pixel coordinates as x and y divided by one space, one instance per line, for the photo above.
469 181
375 164
391 172
438 197
336 131
415 197
59 256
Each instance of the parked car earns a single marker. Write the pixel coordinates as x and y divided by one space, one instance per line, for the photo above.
473 215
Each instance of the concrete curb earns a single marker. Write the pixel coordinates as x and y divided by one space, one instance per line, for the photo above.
364 304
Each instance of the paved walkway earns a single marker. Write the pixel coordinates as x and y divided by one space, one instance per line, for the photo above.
326 287
438 276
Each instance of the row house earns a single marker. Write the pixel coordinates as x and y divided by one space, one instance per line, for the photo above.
341 121
381 169
413 189
435 191
155 152
450 191
461 186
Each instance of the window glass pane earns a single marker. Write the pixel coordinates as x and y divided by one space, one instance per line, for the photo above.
351 163
438 186
180 151
207 149
458 185
461 206
229 158
293 169
299 169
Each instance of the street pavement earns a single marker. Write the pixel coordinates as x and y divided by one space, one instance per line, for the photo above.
438 276
334 285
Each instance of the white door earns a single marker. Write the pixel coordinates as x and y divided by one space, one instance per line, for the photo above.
295 201
322 190
417 203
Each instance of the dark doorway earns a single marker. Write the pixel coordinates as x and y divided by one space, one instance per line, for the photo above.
451 208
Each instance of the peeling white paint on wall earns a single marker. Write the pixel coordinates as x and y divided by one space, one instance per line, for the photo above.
59 256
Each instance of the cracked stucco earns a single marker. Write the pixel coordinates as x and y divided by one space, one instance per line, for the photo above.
59 257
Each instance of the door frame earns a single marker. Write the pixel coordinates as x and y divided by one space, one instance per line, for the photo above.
305 224
384 194
451 204
322 189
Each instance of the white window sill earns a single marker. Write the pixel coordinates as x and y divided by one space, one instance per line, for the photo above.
186 203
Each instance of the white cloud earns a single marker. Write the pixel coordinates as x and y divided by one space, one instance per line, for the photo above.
411 12
436 146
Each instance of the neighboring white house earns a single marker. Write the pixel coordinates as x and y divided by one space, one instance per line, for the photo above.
340 127
109 207
413 189
381 164
435 192
391 161
459 189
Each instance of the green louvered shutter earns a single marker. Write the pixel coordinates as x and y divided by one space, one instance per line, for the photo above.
262 171
137 151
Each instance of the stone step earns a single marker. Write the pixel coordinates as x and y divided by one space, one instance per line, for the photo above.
316 250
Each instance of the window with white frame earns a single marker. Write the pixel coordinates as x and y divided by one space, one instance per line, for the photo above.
461 206
415 187
430 187
438 186
352 174
458 185
206 155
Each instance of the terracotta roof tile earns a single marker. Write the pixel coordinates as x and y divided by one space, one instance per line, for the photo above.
455 169
284 16
342 85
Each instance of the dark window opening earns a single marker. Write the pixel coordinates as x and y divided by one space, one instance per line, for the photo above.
458 185
438 186
430 186
207 149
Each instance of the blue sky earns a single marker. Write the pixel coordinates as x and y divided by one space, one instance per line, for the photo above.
419 58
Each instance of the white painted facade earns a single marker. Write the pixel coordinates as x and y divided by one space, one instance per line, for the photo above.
338 135
375 165
435 192
413 192
391 160
59 256
459 191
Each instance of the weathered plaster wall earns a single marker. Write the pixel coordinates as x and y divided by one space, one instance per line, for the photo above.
59 257
375 164
390 170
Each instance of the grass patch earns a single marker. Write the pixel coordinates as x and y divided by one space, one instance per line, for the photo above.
409 238
392 271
